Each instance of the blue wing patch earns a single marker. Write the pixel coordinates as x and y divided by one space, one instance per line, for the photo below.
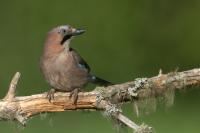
93 77
81 66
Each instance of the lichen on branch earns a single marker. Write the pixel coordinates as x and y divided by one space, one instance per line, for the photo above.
102 98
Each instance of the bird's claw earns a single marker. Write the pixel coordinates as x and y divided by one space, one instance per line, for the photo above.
74 95
50 95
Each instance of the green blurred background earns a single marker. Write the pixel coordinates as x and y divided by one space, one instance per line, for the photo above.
124 40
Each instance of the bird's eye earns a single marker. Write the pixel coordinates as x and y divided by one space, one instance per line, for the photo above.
64 31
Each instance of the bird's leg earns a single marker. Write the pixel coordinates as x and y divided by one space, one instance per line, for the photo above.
74 95
50 94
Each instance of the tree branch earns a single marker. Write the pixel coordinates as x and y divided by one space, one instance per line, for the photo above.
101 98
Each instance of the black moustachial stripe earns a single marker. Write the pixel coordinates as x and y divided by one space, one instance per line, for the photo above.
65 38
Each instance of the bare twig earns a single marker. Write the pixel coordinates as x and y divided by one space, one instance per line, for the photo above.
127 121
23 107
138 129
12 88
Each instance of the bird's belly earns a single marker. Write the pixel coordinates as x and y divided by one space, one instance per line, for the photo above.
67 80
63 73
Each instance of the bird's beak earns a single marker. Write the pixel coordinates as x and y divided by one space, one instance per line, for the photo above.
76 32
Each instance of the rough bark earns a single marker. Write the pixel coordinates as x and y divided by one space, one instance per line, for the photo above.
101 98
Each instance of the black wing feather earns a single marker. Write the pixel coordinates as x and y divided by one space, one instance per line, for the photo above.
80 61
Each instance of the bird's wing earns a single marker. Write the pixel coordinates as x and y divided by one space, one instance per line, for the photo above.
80 61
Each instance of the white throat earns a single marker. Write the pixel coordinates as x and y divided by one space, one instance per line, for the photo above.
66 44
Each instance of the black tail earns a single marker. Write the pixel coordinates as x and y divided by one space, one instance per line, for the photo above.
99 81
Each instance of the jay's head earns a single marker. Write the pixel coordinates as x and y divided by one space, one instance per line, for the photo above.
59 38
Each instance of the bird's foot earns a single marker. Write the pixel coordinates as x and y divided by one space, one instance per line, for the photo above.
50 95
74 95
